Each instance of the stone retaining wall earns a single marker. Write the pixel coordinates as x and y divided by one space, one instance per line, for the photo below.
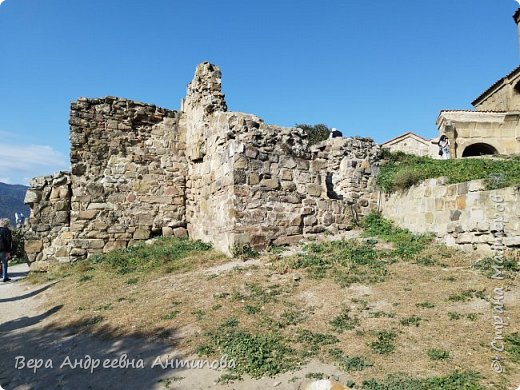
465 215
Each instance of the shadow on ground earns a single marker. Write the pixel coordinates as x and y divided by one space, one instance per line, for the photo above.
67 355
28 295
18 274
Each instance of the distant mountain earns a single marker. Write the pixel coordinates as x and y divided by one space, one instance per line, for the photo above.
11 201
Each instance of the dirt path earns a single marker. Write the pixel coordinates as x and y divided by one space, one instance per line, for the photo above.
35 357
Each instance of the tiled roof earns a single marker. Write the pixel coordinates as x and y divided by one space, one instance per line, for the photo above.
475 102
484 111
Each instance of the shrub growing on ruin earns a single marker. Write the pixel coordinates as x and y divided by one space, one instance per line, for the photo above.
18 246
315 133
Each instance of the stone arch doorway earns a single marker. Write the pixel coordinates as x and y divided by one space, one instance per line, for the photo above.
479 149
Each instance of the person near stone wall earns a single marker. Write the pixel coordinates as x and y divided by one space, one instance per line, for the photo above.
335 133
444 147
6 247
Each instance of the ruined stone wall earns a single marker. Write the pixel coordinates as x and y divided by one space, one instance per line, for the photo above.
249 183
271 177
139 171
285 191
350 167
128 174
209 193
47 234
462 215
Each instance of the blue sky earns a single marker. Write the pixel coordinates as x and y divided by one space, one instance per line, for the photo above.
370 68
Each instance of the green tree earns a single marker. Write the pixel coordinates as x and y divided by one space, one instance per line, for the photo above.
18 253
316 133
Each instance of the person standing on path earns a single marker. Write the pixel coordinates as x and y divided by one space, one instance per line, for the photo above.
6 247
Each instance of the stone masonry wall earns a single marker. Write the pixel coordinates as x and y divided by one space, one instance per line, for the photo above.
349 167
255 184
286 191
209 193
128 174
48 233
140 171
462 215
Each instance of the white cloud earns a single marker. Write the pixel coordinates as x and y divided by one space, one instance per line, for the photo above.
17 162
1 1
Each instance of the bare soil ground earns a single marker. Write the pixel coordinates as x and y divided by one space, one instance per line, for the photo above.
27 329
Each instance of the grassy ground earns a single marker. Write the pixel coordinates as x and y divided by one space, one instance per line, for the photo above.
404 170
393 310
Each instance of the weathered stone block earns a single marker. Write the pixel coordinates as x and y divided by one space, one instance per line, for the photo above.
61 217
286 174
180 232
328 218
167 231
62 205
512 241
292 199
100 206
88 214
67 235
483 226
310 220
319 165
42 228
462 188
288 163
114 245
239 177
314 189
288 186
33 246
455 215
251 152
95 244
464 238
141 234
270 183
290 240
253 179
62 251
40 266
476 185
240 163
461 202
32 196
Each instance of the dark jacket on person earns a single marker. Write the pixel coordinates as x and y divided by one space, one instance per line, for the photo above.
6 240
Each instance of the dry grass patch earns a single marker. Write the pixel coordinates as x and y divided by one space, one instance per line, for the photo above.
289 308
